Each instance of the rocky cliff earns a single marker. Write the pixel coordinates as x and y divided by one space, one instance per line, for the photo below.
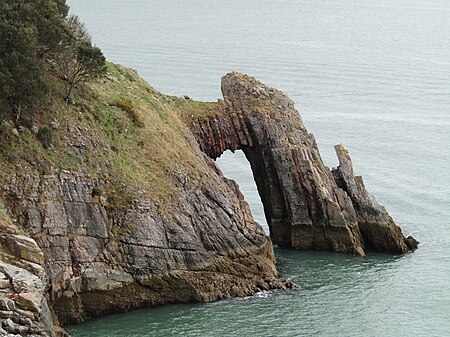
115 202
23 284
307 205
119 209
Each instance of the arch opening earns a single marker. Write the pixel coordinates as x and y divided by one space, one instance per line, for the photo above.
236 166
261 190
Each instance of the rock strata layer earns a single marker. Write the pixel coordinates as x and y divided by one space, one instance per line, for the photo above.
101 260
307 205
24 310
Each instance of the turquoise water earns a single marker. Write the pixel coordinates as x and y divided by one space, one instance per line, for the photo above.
374 75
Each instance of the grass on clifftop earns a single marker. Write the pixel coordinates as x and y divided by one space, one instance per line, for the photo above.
119 129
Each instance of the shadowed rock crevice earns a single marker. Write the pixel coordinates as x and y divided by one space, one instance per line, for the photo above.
269 189
307 206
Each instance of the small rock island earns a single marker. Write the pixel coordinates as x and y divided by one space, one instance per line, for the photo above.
124 207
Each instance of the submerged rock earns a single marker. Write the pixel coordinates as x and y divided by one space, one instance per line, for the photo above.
307 206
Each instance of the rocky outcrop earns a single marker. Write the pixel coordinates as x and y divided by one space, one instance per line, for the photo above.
99 259
377 227
307 206
23 285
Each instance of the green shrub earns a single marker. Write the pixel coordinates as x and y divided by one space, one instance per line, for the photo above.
97 192
6 128
125 104
128 106
45 135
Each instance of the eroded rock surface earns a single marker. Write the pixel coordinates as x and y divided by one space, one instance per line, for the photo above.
307 206
99 260
23 285
377 227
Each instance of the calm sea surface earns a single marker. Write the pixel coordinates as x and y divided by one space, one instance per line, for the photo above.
374 75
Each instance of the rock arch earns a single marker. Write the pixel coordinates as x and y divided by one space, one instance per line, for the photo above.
307 205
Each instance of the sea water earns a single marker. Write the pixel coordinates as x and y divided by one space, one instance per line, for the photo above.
373 75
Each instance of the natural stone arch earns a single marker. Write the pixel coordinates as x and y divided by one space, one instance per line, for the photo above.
307 206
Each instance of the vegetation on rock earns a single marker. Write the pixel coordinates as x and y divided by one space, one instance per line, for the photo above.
119 126
134 213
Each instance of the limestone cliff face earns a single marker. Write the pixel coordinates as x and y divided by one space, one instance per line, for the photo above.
307 206
101 260
23 284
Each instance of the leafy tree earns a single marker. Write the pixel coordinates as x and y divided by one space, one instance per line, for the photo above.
79 61
29 30
33 35
21 80
48 16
